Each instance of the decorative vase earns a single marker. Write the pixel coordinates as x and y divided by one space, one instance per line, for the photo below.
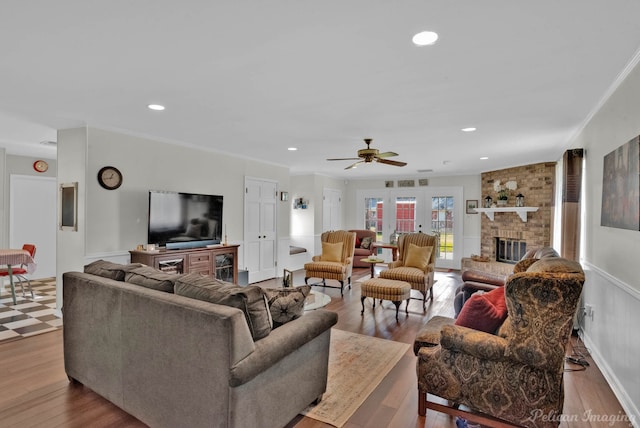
502 202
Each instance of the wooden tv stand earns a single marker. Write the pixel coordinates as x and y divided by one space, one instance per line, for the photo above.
220 261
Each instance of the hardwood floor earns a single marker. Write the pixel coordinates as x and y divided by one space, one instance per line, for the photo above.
34 390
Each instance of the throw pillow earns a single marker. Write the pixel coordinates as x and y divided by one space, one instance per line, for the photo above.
418 257
358 242
110 270
148 277
484 312
251 300
366 242
286 304
331 252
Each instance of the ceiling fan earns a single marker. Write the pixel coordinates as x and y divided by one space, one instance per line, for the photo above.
369 155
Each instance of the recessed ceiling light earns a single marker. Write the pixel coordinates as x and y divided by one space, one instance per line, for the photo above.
156 107
292 149
484 158
425 38
469 129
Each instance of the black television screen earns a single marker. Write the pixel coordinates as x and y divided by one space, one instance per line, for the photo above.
184 220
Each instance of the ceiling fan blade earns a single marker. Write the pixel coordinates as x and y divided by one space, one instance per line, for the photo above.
341 159
386 155
353 165
392 162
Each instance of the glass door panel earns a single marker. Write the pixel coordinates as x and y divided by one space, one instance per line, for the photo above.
373 216
442 224
405 214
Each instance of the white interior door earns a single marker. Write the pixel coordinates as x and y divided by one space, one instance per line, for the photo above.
331 209
260 228
32 219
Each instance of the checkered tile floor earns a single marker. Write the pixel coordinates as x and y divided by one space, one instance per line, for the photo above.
29 316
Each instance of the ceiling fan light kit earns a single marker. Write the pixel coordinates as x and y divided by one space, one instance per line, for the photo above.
369 155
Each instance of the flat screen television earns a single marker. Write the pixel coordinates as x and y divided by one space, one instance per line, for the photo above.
184 220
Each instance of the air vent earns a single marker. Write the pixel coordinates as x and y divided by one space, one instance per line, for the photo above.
49 143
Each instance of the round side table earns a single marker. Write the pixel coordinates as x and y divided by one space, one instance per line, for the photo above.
372 262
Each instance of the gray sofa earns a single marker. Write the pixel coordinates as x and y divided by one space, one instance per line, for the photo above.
173 361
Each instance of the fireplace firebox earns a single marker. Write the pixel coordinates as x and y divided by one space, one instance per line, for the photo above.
510 250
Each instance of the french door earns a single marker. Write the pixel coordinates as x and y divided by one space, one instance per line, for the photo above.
433 210
260 232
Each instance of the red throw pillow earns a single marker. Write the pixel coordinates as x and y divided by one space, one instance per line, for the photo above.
357 242
484 312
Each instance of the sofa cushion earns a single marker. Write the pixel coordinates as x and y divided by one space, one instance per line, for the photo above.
286 304
484 311
331 252
418 257
555 265
366 242
107 269
251 300
148 277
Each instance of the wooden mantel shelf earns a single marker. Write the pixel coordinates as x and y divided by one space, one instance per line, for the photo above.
521 211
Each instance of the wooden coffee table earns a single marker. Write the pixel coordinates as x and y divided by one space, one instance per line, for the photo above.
372 262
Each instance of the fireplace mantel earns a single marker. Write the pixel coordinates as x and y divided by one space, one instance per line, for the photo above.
521 211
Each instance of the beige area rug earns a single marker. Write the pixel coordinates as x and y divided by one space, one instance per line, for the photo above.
354 374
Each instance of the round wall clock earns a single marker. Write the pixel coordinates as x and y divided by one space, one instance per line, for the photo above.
40 166
110 177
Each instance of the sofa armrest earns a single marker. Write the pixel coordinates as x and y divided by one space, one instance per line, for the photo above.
281 342
315 258
472 275
473 342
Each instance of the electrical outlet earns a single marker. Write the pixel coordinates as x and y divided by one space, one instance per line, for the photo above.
589 310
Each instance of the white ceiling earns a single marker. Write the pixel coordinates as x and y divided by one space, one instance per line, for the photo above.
252 78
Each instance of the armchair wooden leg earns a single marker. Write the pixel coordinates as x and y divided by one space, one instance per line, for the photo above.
341 287
306 278
362 303
422 403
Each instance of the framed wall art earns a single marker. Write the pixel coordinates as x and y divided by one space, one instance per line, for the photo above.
621 187
472 204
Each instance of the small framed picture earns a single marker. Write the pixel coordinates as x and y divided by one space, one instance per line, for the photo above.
284 196
472 204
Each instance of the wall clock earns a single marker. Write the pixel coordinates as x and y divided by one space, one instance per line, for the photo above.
40 166
110 177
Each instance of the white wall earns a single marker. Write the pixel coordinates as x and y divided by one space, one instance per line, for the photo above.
611 255
116 220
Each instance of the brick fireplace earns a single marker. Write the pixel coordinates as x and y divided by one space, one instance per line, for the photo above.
536 182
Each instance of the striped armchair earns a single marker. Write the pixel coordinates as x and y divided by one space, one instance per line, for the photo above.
338 268
420 279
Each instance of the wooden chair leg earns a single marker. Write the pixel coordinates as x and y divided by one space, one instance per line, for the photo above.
362 302
422 403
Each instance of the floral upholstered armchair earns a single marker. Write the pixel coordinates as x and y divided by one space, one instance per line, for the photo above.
416 263
515 375
336 260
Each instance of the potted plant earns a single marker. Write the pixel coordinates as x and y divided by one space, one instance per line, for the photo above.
503 190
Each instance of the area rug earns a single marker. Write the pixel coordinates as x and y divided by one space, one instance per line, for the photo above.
357 365
29 316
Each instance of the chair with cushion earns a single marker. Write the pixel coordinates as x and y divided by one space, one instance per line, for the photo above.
336 260
476 280
20 272
503 358
416 263
364 239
